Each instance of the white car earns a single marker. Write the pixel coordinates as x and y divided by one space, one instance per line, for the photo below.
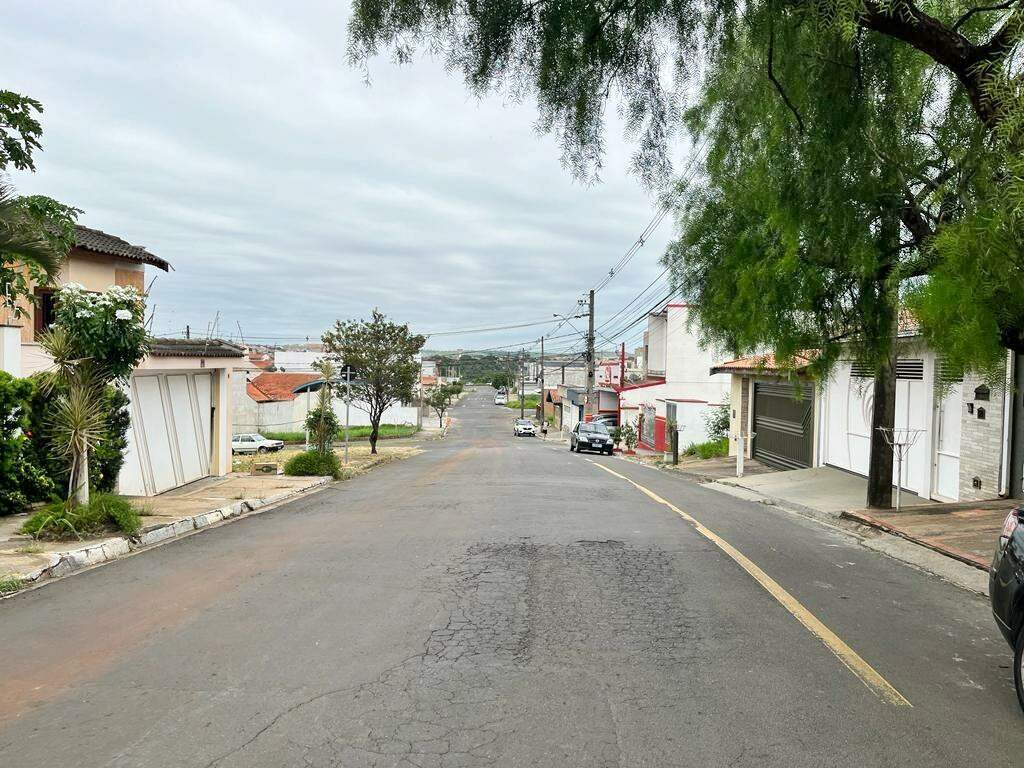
524 427
500 399
254 443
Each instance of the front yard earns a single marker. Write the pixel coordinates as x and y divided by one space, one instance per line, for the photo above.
360 458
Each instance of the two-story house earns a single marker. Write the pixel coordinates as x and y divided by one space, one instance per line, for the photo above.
679 387
180 393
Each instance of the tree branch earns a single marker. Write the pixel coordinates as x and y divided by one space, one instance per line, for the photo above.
982 9
776 83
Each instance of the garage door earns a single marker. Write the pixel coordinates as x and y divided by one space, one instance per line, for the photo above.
783 424
169 439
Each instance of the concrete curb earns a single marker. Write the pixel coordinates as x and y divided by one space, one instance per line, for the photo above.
65 563
964 557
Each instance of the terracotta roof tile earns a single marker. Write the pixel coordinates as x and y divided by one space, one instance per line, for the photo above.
272 387
94 240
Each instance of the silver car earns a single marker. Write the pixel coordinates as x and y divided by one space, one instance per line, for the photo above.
254 443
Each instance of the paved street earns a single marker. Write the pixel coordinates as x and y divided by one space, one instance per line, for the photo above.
503 602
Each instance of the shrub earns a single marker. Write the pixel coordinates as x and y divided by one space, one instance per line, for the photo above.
105 460
717 422
313 463
63 519
709 450
20 479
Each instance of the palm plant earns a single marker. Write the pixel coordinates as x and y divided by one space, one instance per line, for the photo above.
23 241
77 420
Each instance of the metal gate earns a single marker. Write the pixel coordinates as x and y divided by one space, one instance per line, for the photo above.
783 424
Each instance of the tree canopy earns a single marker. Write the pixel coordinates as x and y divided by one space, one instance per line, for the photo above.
901 120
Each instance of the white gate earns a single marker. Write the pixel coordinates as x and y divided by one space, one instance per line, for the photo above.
169 437
947 443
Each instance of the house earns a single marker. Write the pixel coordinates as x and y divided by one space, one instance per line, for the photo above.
280 402
180 394
678 386
774 404
573 402
608 373
960 429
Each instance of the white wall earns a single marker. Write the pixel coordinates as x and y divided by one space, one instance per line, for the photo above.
290 415
688 366
655 342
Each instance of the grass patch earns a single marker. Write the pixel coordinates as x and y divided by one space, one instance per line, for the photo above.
387 432
709 450
10 583
313 463
530 403
105 512
30 549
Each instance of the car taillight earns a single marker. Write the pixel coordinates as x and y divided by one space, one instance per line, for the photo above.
1010 524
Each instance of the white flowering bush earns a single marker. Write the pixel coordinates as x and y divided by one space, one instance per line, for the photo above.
106 328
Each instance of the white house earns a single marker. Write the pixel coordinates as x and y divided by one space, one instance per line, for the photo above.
180 393
961 429
679 385
297 360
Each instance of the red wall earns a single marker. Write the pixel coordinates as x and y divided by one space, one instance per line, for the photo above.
659 434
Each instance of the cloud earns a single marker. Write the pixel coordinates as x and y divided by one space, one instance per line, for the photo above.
234 140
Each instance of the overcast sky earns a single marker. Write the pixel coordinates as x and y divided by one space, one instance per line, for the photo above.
234 140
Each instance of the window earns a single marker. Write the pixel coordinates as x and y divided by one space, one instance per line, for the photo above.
594 427
45 312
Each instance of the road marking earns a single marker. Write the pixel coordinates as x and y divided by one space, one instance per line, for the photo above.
849 657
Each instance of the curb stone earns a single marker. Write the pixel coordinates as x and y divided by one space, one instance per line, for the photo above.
65 563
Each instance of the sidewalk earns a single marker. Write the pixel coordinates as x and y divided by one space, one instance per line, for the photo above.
197 505
963 531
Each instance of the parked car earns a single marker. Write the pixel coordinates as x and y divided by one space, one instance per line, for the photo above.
591 436
1006 591
524 427
610 420
254 443
500 399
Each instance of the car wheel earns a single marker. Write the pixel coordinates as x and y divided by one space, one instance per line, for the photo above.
1018 667
261 449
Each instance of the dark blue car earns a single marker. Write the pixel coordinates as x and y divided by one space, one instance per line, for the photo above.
1006 591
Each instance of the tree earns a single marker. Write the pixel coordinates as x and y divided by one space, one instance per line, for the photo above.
439 400
501 381
383 355
36 232
860 150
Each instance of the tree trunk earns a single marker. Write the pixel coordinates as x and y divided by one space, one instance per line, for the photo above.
883 415
374 431
81 475
440 419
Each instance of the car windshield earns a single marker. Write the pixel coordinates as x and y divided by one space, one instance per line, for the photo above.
597 427
523 421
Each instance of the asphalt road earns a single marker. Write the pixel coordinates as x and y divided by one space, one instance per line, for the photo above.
503 602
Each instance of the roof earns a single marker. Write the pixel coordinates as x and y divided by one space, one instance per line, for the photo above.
764 364
94 240
552 396
194 348
427 381
274 387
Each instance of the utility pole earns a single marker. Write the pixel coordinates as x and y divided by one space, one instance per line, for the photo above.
522 386
543 395
589 409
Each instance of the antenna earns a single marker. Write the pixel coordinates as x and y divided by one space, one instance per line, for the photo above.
209 334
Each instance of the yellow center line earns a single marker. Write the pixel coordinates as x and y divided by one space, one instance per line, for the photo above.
850 658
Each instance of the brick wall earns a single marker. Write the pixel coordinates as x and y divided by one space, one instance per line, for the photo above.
981 441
